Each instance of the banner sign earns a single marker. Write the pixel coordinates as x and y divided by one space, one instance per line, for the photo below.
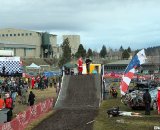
21 121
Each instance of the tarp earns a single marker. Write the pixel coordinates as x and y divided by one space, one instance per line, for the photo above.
33 66
70 65
52 73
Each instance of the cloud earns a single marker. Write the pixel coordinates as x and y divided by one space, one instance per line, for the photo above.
110 22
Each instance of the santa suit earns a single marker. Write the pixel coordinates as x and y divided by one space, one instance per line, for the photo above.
33 82
158 101
80 67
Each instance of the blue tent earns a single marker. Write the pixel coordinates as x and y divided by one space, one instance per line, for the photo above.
52 73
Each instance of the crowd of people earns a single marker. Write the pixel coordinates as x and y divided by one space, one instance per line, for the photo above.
10 89
19 89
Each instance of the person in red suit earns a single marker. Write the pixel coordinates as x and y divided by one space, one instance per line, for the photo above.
158 100
8 105
33 82
80 65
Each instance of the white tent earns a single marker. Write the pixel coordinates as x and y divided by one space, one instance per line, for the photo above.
33 66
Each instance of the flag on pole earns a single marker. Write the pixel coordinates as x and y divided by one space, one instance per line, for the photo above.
136 61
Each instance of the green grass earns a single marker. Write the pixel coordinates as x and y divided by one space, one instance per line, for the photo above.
103 122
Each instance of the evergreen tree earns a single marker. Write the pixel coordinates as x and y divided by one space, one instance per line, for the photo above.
125 54
121 49
81 51
95 54
129 50
89 53
103 52
66 55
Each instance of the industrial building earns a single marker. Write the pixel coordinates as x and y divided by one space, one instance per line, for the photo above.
29 44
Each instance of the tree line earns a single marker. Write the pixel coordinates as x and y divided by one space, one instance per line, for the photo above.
104 53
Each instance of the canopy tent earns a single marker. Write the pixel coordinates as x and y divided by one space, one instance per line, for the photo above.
33 66
70 65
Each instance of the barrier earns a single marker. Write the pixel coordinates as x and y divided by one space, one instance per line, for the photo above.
21 121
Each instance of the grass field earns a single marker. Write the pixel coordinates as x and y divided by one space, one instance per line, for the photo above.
41 95
103 122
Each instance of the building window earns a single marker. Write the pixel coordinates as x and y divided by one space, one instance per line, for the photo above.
22 34
26 34
29 49
30 34
2 35
18 34
6 35
10 34
8 48
24 51
14 34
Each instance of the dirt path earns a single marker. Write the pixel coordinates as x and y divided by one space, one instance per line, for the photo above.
69 119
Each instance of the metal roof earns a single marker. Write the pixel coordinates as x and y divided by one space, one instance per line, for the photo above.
150 60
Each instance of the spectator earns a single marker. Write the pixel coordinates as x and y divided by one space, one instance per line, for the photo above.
113 92
14 92
24 95
31 98
9 105
45 82
1 103
33 82
19 91
50 82
147 101
158 100
55 85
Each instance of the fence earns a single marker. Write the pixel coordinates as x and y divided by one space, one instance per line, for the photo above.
21 121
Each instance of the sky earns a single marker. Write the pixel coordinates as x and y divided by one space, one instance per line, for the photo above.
130 23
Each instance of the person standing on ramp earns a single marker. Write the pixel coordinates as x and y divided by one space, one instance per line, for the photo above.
88 62
80 65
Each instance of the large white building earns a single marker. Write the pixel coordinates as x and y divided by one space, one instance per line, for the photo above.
29 44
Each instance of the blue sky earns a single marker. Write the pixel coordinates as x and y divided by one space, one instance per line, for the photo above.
134 23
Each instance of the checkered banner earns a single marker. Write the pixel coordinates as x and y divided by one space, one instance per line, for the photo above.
11 65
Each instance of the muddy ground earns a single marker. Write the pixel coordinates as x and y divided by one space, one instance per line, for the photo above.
78 109
69 119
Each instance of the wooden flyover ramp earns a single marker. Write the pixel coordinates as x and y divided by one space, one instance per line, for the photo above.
77 104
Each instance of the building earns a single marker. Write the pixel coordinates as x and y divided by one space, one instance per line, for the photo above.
29 44
151 66
74 41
